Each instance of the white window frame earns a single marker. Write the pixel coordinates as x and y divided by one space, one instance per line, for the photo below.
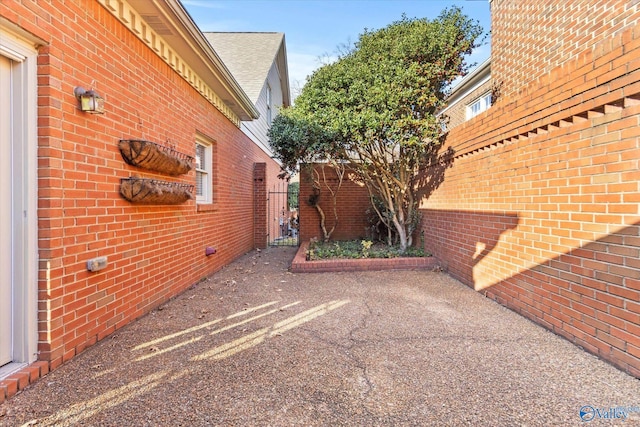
478 106
18 46
204 167
269 106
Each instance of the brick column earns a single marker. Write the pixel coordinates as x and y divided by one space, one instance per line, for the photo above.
260 205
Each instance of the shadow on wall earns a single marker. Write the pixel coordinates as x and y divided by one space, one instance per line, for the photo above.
462 239
356 218
590 294
433 169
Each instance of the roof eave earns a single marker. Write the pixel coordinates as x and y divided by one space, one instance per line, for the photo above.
284 78
187 39
471 79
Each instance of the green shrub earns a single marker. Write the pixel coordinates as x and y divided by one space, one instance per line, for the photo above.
353 249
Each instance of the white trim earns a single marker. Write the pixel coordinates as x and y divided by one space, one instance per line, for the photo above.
477 72
10 368
11 54
459 96
269 102
249 132
469 84
205 167
483 102
22 52
186 51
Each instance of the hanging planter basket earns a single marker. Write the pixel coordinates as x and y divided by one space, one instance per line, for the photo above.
155 157
155 192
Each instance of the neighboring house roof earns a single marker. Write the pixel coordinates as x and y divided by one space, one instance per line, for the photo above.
468 97
250 56
480 75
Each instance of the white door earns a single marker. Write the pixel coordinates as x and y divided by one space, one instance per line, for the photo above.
6 238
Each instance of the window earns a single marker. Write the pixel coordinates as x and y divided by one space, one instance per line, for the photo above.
204 175
269 106
479 105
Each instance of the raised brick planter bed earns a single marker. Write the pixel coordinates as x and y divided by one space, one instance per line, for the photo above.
301 265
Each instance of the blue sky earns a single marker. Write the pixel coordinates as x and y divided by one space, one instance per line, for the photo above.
314 29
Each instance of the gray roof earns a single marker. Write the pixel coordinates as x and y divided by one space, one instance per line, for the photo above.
249 57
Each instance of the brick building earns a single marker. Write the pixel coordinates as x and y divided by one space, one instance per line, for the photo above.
258 61
79 260
472 96
540 210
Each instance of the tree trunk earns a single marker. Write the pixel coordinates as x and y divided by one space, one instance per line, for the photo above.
325 234
402 235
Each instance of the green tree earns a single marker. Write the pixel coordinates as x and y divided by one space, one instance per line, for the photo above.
299 141
293 189
376 108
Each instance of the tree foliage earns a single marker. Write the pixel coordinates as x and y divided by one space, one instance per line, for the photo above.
376 108
293 190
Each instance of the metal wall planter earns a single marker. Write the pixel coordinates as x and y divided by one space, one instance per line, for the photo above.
155 192
155 157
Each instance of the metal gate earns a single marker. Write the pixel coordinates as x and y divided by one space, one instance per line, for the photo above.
282 214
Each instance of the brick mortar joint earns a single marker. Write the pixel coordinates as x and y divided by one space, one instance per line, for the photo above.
23 373
517 134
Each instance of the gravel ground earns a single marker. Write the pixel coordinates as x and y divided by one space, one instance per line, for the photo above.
255 345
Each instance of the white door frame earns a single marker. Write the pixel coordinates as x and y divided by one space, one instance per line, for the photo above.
20 47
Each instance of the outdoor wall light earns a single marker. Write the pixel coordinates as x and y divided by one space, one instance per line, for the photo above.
90 101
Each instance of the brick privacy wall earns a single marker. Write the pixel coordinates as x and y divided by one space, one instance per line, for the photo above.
540 210
154 252
260 205
533 37
458 113
352 203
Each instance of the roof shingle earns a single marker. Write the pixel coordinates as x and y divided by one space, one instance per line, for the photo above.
249 57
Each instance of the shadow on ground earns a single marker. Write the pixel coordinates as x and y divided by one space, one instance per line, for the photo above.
257 345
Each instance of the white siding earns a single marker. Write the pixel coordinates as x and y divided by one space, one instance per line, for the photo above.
257 129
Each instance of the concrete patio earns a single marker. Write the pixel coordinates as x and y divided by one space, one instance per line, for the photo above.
256 345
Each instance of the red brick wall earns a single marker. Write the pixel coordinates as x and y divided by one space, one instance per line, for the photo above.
260 205
154 252
457 114
352 202
540 210
531 38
